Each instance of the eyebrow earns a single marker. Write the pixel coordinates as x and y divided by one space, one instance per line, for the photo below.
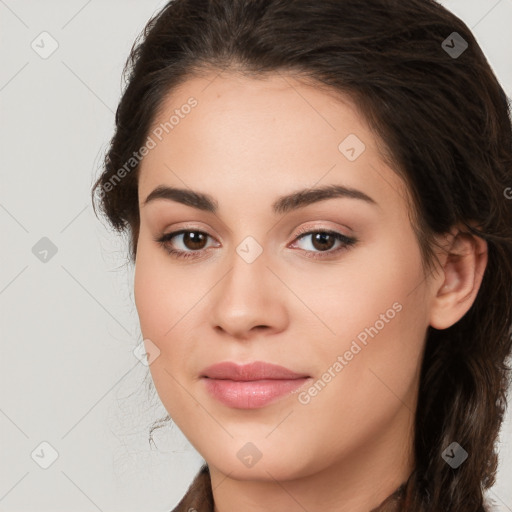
282 205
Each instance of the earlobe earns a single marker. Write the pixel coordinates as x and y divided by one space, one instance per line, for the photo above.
463 269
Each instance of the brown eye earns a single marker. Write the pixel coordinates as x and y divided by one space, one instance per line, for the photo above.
188 244
323 241
194 240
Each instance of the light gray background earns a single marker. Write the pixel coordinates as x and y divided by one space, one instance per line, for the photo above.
68 326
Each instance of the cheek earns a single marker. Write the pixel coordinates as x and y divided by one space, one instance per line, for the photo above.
168 303
367 294
156 292
361 386
371 334
162 311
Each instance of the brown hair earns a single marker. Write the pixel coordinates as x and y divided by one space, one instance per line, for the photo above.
445 124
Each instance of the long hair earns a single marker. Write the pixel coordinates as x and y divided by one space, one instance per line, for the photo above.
423 84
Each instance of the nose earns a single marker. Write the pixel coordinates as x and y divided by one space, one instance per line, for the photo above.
249 300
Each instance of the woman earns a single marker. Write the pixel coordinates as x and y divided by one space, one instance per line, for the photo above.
318 198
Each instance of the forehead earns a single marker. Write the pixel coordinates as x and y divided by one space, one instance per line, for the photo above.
261 136
260 102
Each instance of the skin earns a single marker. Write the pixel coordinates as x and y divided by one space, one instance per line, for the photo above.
247 142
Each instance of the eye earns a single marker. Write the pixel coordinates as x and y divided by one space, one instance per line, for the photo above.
323 241
193 242
192 239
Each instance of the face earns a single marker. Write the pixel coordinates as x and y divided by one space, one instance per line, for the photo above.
254 279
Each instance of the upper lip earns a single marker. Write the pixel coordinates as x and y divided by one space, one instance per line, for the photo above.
253 371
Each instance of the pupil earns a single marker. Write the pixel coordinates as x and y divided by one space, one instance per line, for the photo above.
193 238
322 237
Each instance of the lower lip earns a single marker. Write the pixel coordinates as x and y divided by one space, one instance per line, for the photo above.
251 394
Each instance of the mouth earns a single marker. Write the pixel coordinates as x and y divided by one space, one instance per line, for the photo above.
252 385
258 370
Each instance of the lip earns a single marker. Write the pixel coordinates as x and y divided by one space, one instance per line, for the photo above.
252 385
257 370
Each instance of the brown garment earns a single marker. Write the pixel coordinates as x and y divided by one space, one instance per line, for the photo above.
199 497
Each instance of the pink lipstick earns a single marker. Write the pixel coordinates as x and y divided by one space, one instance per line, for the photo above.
250 386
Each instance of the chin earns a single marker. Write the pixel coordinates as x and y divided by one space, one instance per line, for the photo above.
275 465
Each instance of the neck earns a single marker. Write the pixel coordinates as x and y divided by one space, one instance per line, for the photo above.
358 482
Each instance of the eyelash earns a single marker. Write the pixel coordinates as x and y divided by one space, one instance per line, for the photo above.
347 242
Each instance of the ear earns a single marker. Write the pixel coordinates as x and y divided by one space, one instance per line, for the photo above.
463 266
